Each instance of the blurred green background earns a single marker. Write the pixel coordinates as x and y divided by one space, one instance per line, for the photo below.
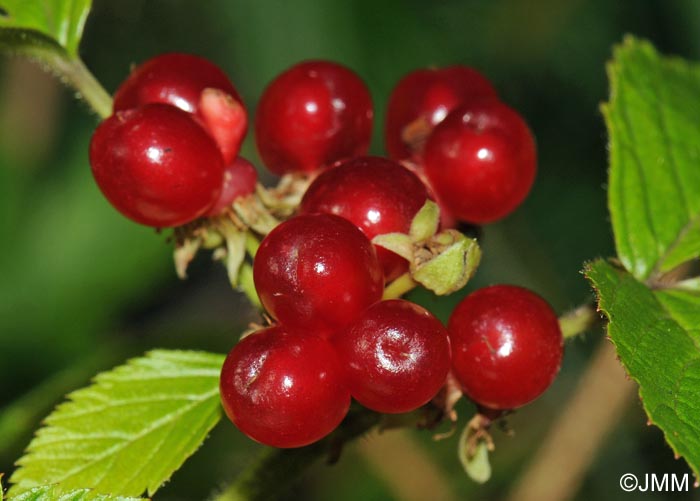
81 288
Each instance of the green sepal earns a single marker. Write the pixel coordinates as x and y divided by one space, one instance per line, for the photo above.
426 222
400 243
452 267
184 253
474 458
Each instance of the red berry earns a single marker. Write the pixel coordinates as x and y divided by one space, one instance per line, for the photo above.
180 80
422 99
176 79
156 165
240 179
313 115
397 356
447 220
317 272
284 388
506 346
481 161
377 195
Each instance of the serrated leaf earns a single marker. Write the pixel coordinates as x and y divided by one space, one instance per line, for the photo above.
476 465
657 337
130 430
52 493
39 23
426 222
452 268
654 130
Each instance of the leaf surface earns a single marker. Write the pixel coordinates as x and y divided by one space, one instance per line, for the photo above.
130 430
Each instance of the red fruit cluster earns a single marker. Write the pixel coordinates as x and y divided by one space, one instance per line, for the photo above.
477 153
376 194
289 385
168 154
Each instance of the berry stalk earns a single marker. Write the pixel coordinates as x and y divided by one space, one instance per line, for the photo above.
276 469
579 320
400 286
74 73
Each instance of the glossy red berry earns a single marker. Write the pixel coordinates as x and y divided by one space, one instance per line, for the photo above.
313 115
396 355
317 272
156 165
506 346
422 99
174 78
378 195
180 80
447 219
284 388
240 178
481 160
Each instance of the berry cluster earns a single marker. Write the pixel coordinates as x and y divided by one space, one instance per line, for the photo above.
477 154
169 156
319 277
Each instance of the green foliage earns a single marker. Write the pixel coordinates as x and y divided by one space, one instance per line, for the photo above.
130 430
654 200
657 337
51 493
39 24
654 196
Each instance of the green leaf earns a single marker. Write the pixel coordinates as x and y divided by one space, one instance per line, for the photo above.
657 337
654 130
52 493
41 23
130 430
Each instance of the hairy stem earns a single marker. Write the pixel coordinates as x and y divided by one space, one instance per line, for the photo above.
74 73
579 320
276 469
579 431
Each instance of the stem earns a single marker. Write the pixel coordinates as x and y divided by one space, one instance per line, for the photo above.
247 286
74 72
251 244
579 320
579 431
400 286
276 469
